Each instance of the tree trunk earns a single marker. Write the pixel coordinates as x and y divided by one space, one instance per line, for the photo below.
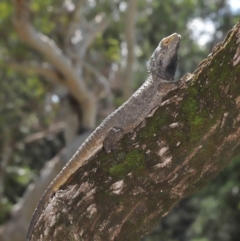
191 137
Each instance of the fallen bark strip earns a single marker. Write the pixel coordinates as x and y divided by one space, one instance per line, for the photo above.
191 137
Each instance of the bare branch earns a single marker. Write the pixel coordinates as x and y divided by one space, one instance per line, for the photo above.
81 35
53 129
130 40
55 56
77 12
44 70
99 24
102 79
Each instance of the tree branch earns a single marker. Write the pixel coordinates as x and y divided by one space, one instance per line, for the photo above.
54 55
44 70
190 138
130 34
102 80
52 130
81 35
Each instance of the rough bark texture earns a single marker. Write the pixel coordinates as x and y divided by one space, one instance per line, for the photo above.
192 136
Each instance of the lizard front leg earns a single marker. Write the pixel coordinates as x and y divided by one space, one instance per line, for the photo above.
113 135
167 86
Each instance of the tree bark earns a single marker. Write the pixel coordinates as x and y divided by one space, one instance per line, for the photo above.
191 137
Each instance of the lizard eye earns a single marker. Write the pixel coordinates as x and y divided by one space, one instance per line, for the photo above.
166 41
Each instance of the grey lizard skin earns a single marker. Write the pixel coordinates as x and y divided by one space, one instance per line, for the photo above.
162 65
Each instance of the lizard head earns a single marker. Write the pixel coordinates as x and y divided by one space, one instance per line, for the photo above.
163 62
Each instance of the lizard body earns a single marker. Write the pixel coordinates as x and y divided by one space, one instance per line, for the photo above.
163 64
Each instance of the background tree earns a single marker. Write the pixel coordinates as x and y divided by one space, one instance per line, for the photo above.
45 107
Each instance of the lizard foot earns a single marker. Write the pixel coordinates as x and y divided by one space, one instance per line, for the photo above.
113 135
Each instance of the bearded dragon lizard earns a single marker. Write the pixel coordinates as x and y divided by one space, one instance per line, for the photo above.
162 65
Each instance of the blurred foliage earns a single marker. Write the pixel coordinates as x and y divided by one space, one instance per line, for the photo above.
27 106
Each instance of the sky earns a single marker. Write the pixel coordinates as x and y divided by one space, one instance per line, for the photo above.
202 31
234 5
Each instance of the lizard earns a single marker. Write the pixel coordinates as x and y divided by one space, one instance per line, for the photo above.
162 68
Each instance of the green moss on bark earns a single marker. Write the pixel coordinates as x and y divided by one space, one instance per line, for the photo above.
134 161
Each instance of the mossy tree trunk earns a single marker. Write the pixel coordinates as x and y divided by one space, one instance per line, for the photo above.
191 137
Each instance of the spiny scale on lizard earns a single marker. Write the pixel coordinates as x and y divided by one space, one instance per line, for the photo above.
163 64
